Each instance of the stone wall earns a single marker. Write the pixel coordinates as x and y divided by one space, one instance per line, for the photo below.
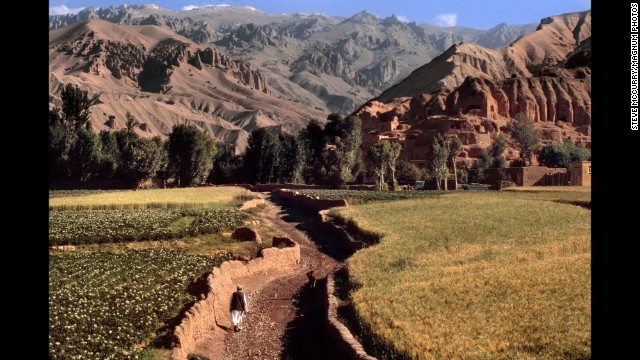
338 234
307 202
214 308
522 176
340 335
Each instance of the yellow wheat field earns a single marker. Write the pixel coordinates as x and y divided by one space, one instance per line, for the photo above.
492 275
214 197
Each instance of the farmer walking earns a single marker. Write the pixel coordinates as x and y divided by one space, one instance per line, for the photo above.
238 308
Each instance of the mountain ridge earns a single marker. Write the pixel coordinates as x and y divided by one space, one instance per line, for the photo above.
165 79
331 62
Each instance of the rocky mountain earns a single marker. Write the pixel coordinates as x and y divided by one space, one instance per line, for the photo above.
165 79
554 39
328 62
474 92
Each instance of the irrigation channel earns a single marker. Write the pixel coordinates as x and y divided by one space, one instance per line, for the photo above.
285 318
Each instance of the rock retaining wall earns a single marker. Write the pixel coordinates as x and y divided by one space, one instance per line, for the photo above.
307 202
342 338
214 308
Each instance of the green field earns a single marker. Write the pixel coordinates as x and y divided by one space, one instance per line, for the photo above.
355 197
475 275
197 197
76 227
116 295
106 305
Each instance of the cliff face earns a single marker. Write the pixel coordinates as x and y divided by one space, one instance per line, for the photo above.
542 99
330 62
555 39
151 68
165 79
551 85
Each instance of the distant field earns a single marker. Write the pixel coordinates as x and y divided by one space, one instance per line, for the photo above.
76 227
69 193
476 275
354 197
111 305
209 197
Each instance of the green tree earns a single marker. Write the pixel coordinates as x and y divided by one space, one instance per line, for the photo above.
58 146
227 166
110 156
191 154
455 146
75 105
376 159
526 136
408 172
491 157
391 160
142 159
84 155
345 133
445 149
261 157
292 159
313 139
132 122
563 154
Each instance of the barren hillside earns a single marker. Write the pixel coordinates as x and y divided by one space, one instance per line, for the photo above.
164 79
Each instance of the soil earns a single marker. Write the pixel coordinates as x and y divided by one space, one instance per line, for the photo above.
285 318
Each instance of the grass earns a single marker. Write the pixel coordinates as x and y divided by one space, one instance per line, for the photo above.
198 197
357 197
467 275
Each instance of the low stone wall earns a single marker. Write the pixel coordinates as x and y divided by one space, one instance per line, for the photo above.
341 337
522 176
250 204
307 202
214 308
337 233
272 187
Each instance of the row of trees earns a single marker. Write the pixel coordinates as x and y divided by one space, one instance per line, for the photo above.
328 155
76 152
319 154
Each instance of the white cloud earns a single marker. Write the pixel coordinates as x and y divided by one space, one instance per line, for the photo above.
402 18
63 10
191 7
447 19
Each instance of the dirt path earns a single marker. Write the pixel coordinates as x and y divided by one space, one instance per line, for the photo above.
285 316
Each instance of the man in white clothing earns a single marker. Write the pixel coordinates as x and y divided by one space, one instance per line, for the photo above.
238 308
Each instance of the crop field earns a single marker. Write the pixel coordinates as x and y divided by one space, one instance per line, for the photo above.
475 275
354 197
110 305
197 197
69 193
73 227
115 296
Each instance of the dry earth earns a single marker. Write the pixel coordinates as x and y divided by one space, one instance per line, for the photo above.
285 318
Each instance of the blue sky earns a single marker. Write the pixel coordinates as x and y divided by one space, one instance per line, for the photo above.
480 14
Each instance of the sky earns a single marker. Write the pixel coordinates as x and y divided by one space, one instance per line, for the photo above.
479 14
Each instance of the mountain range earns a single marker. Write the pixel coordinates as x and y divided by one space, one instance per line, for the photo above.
329 62
230 69
475 92
164 79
